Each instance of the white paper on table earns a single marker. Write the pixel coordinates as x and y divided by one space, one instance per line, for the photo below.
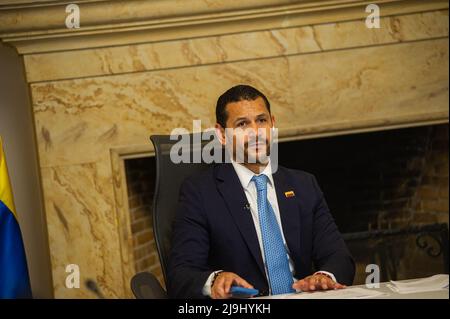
347 293
433 283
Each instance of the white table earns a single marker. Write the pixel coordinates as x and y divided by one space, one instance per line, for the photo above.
387 294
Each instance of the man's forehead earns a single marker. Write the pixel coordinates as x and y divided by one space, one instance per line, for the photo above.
243 107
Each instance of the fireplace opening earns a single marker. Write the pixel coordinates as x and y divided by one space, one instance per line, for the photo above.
141 177
378 180
388 193
376 185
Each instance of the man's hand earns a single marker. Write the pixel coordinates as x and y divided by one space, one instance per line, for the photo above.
223 283
317 282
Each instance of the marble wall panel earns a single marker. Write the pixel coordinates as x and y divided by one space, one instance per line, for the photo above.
370 83
82 227
233 47
77 119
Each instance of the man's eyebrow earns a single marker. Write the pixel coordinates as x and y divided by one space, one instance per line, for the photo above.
239 119
262 115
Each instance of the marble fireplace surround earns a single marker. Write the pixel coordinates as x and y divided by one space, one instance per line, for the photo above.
137 68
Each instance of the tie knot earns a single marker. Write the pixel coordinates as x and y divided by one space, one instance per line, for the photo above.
260 182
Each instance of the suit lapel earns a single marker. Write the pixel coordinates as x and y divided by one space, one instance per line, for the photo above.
289 212
231 190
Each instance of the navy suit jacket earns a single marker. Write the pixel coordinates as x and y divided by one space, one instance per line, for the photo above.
214 230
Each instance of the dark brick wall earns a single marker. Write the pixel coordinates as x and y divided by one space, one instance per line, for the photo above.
140 174
381 180
431 201
378 180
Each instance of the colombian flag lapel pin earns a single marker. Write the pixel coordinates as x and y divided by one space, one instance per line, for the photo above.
289 194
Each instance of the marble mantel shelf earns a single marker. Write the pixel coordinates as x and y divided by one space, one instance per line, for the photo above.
352 126
40 27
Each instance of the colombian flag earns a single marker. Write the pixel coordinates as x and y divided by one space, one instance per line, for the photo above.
14 280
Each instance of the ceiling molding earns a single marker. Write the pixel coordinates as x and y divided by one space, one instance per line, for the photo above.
40 26
10 4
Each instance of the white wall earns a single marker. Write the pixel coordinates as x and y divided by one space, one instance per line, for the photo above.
17 131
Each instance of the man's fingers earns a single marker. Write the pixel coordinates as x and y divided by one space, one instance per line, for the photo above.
242 282
222 290
317 282
331 284
299 285
312 282
304 284
223 283
325 283
227 284
339 286
219 288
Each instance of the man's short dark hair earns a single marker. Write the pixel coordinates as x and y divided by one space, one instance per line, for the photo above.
235 94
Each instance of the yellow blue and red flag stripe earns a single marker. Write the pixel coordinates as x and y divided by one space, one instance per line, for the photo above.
14 279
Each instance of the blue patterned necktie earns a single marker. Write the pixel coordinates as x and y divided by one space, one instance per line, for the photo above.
280 276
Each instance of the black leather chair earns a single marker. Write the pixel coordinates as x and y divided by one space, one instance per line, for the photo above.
145 286
169 177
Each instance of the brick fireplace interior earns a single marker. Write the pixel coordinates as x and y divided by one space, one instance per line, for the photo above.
380 180
141 177
384 179
390 179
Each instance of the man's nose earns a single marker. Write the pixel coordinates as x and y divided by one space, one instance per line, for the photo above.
254 127
253 130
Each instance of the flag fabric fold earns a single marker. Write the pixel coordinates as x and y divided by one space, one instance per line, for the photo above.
14 279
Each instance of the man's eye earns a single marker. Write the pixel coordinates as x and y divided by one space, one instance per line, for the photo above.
241 124
263 120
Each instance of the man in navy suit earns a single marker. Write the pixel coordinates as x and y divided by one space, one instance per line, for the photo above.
245 224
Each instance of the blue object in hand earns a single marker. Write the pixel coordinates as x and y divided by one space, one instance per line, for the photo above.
241 292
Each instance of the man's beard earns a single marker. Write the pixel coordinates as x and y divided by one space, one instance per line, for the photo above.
255 152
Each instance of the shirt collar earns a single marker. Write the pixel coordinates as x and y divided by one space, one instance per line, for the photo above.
245 175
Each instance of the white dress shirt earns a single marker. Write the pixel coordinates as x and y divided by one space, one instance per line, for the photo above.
245 177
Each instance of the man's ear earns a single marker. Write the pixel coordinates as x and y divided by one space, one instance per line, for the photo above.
220 132
273 121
